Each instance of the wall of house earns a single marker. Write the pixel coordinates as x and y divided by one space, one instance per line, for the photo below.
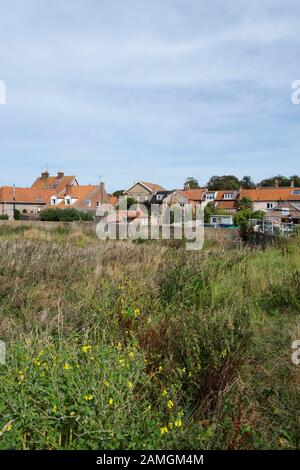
138 192
8 208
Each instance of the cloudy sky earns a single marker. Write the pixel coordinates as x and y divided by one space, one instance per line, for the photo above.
149 89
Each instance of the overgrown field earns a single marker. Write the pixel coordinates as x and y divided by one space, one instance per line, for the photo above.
122 345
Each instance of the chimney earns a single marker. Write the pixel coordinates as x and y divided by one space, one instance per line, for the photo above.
60 175
276 183
292 183
102 191
45 175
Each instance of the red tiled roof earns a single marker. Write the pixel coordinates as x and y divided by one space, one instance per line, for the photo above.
25 195
225 204
54 183
271 194
193 194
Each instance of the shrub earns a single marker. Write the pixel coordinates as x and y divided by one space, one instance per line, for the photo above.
3 217
65 215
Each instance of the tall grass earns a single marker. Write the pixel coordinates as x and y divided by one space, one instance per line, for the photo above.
119 345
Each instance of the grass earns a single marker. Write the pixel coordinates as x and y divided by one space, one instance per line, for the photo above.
121 345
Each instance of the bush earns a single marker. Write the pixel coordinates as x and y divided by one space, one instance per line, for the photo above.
65 215
3 217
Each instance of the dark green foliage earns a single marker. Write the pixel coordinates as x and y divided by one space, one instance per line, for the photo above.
65 215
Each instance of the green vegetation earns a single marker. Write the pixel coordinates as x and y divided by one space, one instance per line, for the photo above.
3 217
65 215
120 345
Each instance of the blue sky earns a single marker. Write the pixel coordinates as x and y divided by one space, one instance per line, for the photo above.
155 90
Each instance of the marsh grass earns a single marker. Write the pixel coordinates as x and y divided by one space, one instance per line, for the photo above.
122 345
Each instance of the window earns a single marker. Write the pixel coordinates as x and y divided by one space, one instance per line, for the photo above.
68 201
270 205
159 197
296 192
228 196
53 201
210 196
88 202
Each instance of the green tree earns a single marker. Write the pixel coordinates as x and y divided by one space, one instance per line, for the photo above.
242 217
192 182
271 182
245 203
219 183
209 211
247 182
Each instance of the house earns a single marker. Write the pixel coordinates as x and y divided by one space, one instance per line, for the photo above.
284 213
87 198
265 199
24 200
224 200
185 196
143 191
56 183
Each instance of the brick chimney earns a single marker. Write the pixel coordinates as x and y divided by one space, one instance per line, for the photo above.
44 175
60 175
102 191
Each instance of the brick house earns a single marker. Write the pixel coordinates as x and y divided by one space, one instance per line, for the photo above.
142 191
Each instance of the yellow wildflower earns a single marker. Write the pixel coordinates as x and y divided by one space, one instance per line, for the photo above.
87 348
72 413
67 366
164 430
119 346
170 404
160 369
36 362
223 353
89 397
137 313
164 392
130 385
21 376
54 409
9 427
106 383
122 362
178 423
149 407
111 402
131 354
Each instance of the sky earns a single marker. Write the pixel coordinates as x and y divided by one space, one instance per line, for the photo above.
153 90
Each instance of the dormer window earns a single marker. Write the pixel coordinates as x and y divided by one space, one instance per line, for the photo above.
53 201
210 196
228 196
